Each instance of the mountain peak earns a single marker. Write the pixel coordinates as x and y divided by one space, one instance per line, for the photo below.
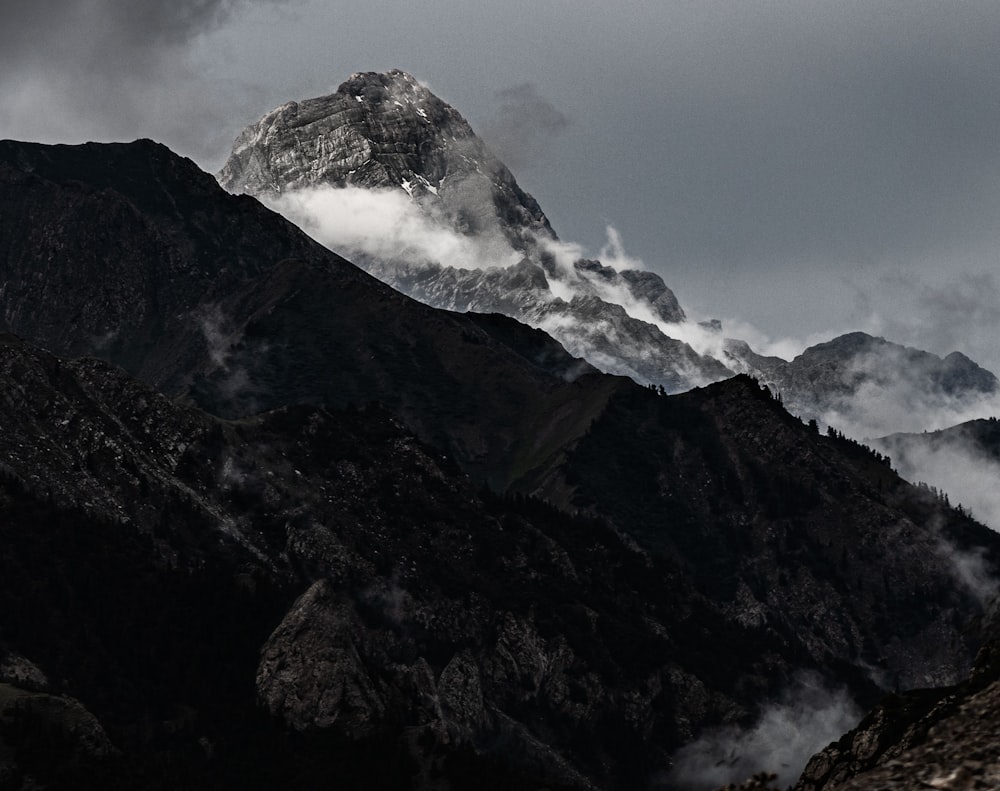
387 131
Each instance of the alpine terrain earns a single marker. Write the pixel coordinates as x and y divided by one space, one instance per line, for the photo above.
269 523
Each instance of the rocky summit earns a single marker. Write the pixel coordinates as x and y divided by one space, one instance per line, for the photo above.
388 132
267 521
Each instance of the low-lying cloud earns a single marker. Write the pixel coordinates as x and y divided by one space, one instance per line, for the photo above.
905 405
969 475
376 227
806 718
387 225
959 310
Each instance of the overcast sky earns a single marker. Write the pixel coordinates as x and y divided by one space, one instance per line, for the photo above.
810 167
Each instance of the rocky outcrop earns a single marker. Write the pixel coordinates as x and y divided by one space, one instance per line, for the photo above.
41 734
311 673
387 131
932 738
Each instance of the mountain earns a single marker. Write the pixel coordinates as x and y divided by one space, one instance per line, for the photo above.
462 235
296 525
869 384
387 132
194 291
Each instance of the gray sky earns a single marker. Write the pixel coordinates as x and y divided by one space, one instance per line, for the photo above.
809 167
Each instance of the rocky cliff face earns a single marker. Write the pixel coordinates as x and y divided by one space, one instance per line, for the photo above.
387 132
929 738
383 131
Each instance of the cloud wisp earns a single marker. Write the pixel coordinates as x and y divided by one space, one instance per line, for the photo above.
524 125
391 233
953 310
954 464
388 226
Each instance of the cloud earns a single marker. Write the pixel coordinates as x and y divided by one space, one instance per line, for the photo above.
235 382
72 70
613 252
970 476
972 571
391 234
806 718
387 225
953 310
904 405
523 126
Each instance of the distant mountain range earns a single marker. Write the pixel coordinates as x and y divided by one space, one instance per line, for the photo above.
268 522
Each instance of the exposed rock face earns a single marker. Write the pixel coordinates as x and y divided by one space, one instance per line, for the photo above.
386 131
931 738
311 673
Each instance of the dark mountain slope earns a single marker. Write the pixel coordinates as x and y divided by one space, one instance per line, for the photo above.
786 524
309 336
112 248
133 254
150 549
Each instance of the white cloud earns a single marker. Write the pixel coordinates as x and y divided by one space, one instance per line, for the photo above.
970 477
388 226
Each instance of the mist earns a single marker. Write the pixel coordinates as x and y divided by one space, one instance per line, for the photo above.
907 405
524 126
953 309
806 718
387 225
953 463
